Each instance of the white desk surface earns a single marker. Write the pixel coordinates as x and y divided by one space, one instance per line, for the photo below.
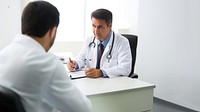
91 86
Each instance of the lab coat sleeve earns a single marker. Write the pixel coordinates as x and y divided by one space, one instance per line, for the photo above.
65 96
81 58
123 58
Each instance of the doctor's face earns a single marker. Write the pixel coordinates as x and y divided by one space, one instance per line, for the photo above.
100 29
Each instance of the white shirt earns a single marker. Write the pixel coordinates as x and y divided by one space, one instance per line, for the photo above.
39 78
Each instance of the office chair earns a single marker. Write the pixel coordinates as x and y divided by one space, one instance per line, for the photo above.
10 101
133 44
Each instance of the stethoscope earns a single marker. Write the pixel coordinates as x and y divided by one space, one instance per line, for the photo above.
109 56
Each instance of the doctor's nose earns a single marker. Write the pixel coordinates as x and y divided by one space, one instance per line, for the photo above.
96 30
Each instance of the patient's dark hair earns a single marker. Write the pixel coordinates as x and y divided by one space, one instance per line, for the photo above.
38 17
103 14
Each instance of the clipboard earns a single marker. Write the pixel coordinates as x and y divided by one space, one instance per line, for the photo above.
77 74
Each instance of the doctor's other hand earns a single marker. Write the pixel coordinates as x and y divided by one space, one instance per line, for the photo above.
71 64
93 73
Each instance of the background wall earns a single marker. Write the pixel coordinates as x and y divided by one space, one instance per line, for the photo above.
9 21
169 49
73 47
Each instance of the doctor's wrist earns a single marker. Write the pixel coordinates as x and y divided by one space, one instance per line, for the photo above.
104 74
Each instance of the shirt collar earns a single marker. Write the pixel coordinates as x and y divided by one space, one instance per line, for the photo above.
105 42
29 41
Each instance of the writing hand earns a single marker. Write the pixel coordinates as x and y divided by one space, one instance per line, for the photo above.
71 64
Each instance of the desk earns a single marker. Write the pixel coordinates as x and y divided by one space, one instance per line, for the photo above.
121 94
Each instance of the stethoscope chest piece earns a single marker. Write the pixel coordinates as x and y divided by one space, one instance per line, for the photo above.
108 56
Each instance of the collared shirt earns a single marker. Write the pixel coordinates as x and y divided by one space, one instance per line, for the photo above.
105 42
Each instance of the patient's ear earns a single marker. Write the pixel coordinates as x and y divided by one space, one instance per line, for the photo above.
52 32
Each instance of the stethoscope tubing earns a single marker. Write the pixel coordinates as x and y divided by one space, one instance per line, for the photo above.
109 56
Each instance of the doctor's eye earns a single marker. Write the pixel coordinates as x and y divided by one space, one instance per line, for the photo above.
97 27
93 26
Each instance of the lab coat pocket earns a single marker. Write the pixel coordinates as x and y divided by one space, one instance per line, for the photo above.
87 63
111 63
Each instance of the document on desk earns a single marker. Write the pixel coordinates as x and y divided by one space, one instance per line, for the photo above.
77 74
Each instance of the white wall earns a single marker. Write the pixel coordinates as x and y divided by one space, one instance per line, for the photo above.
73 47
9 21
128 10
169 49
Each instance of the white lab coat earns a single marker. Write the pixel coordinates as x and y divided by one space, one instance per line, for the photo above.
39 78
119 64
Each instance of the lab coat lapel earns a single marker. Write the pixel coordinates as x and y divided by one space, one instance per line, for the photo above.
94 58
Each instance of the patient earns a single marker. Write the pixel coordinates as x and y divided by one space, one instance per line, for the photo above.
37 76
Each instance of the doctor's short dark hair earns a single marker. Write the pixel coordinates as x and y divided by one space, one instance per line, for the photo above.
38 17
103 14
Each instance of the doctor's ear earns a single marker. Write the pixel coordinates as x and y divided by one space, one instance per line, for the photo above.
110 25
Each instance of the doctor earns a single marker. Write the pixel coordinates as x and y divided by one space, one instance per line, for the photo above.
106 54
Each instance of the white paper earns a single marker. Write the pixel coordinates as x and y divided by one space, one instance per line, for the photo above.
77 74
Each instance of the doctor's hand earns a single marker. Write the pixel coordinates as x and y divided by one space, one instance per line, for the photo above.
93 73
71 64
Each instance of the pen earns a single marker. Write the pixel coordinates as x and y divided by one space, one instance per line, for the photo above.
70 60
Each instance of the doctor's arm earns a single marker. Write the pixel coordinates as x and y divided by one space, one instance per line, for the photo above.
94 73
123 61
80 59
82 56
